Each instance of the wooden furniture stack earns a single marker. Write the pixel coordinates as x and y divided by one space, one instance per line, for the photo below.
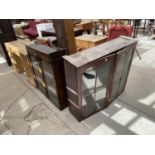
85 26
98 75
19 57
19 29
65 34
48 70
87 41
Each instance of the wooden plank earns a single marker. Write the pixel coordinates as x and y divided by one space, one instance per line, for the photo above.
65 34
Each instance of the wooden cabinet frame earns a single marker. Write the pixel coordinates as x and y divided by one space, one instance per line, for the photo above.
49 75
107 54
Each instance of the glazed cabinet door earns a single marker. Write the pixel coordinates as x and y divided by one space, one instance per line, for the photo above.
123 63
96 81
38 72
50 81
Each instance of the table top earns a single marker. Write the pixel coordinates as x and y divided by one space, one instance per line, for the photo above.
91 38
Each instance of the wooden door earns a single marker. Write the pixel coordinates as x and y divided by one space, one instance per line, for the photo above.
122 67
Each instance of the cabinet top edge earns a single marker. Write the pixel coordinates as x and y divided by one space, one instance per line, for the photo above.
83 57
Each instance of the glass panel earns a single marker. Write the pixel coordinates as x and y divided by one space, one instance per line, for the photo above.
115 88
88 105
33 58
88 89
47 68
50 81
36 66
101 84
37 72
37 69
88 80
53 98
120 67
118 76
126 70
121 73
94 88
41 86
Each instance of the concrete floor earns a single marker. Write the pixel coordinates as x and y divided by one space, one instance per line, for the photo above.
24 110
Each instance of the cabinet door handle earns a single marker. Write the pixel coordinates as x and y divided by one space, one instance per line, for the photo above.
103 58
106 59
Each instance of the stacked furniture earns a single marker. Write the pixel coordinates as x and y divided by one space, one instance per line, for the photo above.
19 57
85 26
65 34
19 29
48 70
89 40
98 75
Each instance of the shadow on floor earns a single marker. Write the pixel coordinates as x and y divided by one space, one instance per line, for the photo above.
140 90
135 111
119 119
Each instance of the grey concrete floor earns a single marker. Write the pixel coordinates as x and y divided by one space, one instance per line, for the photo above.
24 110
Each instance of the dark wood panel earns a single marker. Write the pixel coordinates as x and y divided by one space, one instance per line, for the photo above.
7 34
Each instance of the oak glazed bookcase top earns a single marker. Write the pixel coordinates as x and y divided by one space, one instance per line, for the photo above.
97 76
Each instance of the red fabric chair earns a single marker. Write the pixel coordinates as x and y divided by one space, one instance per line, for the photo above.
116 30
32 30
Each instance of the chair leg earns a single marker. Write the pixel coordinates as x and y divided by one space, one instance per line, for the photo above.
138 54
